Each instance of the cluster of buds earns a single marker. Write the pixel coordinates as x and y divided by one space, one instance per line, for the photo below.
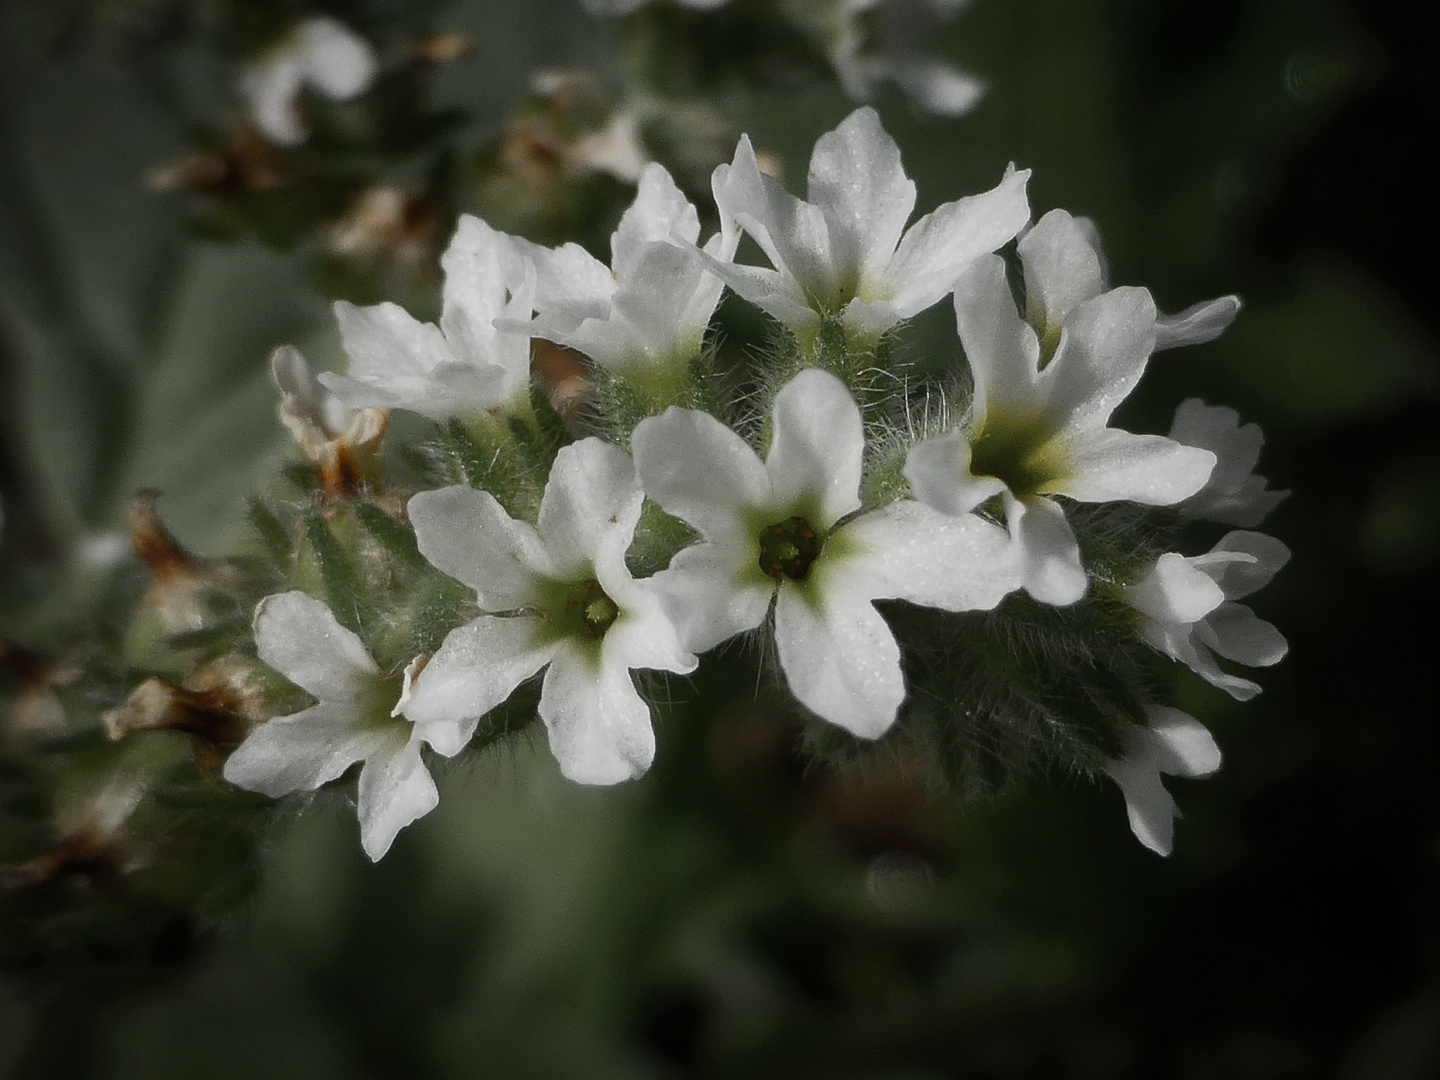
980 560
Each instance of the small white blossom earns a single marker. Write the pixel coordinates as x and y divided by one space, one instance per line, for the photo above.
1044 390
863 60
786 530
846 253
337 439
556 593
1235 493
464 365
1174 744
1189 612
357 717
323 52
649 310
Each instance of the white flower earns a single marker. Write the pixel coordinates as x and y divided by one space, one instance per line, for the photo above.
321 51
846 253
862 61
783 529
1189 610
556 593
340 441
1173 744
1235 494
356 718
1039 431
648 312
464 365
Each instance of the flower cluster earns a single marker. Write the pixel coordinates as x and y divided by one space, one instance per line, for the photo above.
897 542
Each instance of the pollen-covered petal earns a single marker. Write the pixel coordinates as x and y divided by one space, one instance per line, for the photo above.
467 534
708 598
337 61
299 637
1237 633
1174 744
1107 465
938 470
592 498
394 790
860 186
476 668
942 243
598 724
1103 349
818 447
1197 324
1048 553
700 471
1174 592
1062 269
840 660
1001 349
918 554
302 751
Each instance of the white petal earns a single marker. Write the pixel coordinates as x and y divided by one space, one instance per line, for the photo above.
1062 269
309 412
1197 324
569 280
1103 349
1048 553
792 233
1000 347
394 790
299 637
272 87
599 726
938 87
1237 633
942 243
840 660
700 471
818 447
772 292
644 636
1234 494
591 499
482 269
656 305
337 61
1198 658
1173 744
467 534
938 470
1241 577
1109 464
478 667
709 598
915 553
385 341
302 751
1174 592
858 183
660 212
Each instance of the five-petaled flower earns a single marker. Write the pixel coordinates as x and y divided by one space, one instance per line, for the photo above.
556 593
1044 388
846 254
786 529
465 365
357 717
1188 609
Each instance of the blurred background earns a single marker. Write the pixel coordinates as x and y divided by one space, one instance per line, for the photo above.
735 914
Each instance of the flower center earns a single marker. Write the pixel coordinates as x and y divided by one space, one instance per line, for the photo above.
1022 451
585 610
788 548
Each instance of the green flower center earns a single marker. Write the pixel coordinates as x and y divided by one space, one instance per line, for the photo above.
579 609
788 548
1020 450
